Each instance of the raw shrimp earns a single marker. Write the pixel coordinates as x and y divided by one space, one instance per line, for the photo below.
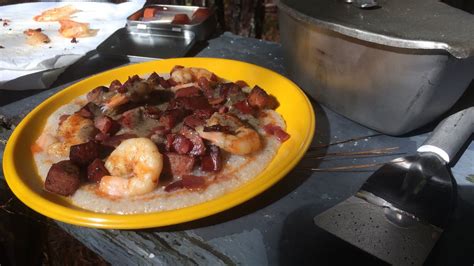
73 29
245 140
35 37
134 167
191 74
56 13
74 130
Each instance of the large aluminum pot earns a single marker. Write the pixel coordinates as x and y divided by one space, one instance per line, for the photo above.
386 83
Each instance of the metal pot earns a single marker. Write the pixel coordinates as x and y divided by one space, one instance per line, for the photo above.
392 69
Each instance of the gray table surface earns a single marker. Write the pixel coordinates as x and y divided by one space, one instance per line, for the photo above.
275 227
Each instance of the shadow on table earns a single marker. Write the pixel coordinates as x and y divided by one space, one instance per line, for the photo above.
288 184
304 243
456 244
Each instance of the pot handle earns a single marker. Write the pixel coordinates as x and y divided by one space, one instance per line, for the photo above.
450 135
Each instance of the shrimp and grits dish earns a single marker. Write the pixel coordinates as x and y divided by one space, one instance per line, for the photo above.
160 142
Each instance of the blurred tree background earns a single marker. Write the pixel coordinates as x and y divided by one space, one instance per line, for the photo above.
248 18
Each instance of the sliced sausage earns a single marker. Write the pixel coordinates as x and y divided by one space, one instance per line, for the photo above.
199 148
83 154
96 170
63 178
177 164
181 144
171 117
114 141
193 121
193 103
106 125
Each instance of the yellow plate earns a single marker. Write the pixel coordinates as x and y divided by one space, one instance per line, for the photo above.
21 175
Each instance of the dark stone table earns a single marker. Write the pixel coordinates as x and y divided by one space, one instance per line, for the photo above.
277 226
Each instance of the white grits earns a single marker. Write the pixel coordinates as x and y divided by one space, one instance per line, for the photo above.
159 200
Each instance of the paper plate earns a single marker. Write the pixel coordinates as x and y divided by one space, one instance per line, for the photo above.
23 179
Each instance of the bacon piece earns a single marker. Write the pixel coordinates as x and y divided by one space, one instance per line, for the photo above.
244 107
188 92
83 154
177 164
106 125
181 144
199 148
260 99
63 178
212 162
96 170
277 131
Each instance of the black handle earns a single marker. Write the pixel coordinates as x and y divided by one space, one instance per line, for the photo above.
450 135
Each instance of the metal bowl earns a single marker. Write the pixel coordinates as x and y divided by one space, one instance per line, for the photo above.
390 81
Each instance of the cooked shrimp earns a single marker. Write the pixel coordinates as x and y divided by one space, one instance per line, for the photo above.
56 13
72 131
134 166
245 140
73 29
191 74
43 142
35 37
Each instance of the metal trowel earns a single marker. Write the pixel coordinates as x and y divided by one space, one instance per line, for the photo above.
401 210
